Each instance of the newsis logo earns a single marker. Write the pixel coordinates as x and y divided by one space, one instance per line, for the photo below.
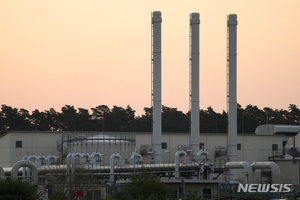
264 188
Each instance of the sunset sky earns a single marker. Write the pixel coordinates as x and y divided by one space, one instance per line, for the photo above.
87 53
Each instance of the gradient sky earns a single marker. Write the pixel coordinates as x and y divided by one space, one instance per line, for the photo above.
92 52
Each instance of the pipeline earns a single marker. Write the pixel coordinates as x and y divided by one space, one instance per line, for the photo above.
73 160
241 165
275 178
112 165
178 154
51 159
25 163
136 158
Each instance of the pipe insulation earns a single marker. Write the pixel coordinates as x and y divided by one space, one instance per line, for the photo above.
241 165
73 161
268 165
112 165
178 155
156 86
194 83
136 158
25 163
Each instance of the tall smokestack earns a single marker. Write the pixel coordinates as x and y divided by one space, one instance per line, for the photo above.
231 91
194 83
156 85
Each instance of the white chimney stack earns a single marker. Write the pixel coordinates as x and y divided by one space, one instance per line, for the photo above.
194 83
156 86
231 92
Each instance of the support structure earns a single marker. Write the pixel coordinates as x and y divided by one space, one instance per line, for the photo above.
194 83
156 86
231 91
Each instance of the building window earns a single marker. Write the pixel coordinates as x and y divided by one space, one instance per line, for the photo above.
18 144
239 147
201 145
274 147
164 145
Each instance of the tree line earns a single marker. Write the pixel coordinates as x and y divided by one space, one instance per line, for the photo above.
120 119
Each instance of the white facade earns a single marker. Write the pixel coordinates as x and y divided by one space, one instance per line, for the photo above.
15 145
251 147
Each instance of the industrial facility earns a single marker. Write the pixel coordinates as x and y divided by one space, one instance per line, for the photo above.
211 164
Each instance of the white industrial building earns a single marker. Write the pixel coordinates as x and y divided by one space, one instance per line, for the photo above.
204 160
14 145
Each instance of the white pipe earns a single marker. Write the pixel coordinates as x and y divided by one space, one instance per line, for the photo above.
268 165
178 154
25 157
200 153
51 159
194 81
25 163
156 86
97 155
33 158
73 160
241 165
136 158
68 162
2 173
112 165
24 169
42 160
86 156
231 91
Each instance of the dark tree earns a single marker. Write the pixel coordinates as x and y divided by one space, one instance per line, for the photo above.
146 186
69 118
174 120
144 123
54 120
119 119
293 114
39 121
14 119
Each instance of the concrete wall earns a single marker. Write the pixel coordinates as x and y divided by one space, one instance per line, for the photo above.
253 147
289 171
5 151
31 143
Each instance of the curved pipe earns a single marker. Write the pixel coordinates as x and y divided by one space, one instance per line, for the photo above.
200 153
178 154
33 158
98 155
241 165
112 165
51 159
26 157
42 159
68 162
73 160
25 163
86 156
136 158
74 155
2 173
268 165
